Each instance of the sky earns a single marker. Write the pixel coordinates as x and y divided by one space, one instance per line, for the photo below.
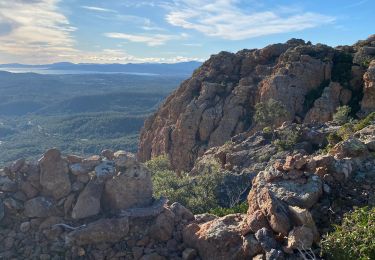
124 31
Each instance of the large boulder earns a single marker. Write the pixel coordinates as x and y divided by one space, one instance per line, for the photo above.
101 231
163 227
54 174
221 239
276 211
88 202
40 207
352 147
131 187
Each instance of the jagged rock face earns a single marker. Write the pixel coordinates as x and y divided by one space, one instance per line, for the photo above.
324 107
368 101
218 101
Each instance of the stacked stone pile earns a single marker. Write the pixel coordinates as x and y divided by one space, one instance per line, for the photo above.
99 207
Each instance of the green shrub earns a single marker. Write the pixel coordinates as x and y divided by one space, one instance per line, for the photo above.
346 131
342 115
269 113
159 163
287 138
239 208
198 193
354 238
333 138
368 120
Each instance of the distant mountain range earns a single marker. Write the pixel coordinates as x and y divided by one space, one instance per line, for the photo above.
181 68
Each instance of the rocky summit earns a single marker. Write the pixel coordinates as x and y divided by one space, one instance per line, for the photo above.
218 101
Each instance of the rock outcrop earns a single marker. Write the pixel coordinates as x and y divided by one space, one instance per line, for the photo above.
368 101
292 202
218 101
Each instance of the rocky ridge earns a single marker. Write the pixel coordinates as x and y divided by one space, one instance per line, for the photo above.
218 101
68 207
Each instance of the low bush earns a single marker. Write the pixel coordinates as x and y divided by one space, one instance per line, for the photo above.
287 138
200 193
270 113
354 238
239 208
342 115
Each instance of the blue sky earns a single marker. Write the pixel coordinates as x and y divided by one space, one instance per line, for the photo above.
122 31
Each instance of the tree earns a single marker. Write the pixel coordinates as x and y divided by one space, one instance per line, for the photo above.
269 113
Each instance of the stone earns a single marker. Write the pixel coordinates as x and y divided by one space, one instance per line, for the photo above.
88 202
29 190
103 230
256 221
108 154
72 159
275 211
266 239
17 165
54 176
7 185
91 162
131 188
189 254
163 228
181 213
2 210
349 148
300 238
251 245
13 204
302 194
40 207
105 169
25 226
289 163
78 169
302 217
8 243
124 159
218 239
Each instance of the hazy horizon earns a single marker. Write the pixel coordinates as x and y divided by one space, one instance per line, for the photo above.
166 31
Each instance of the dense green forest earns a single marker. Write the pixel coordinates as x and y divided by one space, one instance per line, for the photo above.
82 113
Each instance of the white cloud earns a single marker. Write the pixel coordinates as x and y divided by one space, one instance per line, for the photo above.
150 40
225 19
98 9
35 31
